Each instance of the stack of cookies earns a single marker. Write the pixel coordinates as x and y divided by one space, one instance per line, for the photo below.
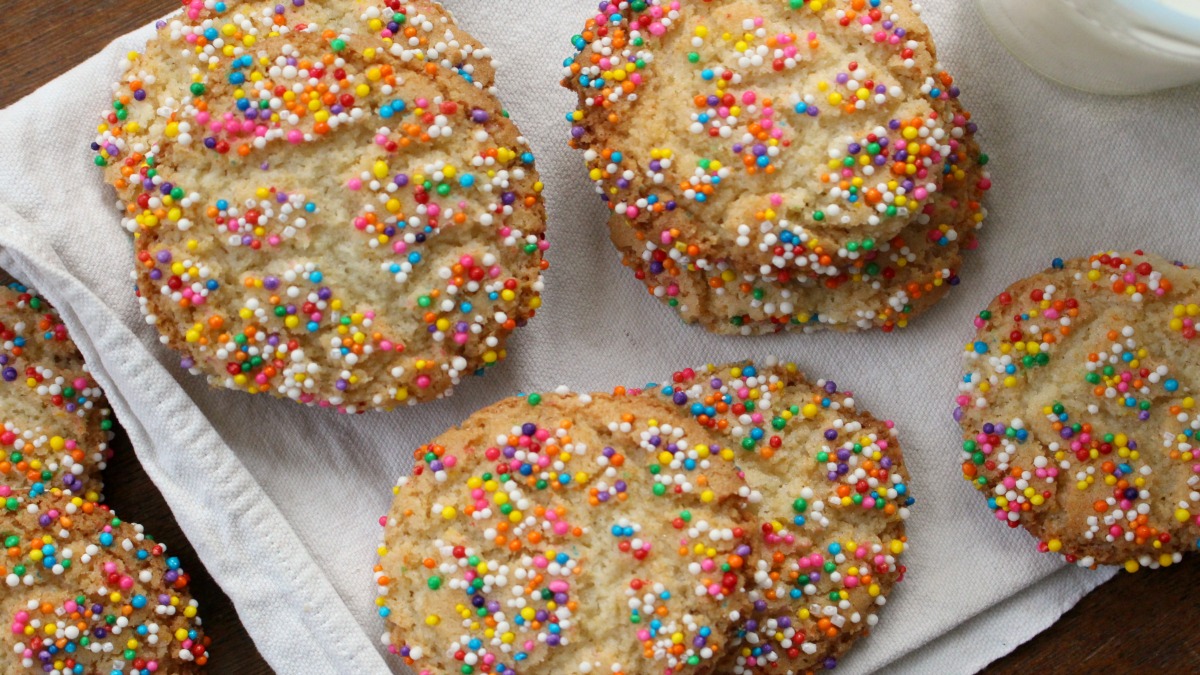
85 592
778 165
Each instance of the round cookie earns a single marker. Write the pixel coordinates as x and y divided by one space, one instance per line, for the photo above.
753 132
89 593
565 534
883 288
830 496
55 425
322 210
1078 409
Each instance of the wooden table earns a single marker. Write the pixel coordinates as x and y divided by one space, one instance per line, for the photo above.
1136 623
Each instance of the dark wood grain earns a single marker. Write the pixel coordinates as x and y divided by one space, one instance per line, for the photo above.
1137 623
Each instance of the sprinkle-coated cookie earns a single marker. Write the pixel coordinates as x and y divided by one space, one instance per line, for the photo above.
830 498
768 134
1078 409
732 520
564 534
88 593
328 202
56 422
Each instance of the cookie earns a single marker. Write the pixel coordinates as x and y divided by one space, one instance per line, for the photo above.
328 203
565 534
754 133
830 495
884 288
1078 409
89 593
56 421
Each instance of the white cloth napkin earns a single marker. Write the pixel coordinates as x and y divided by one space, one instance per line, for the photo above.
282 502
